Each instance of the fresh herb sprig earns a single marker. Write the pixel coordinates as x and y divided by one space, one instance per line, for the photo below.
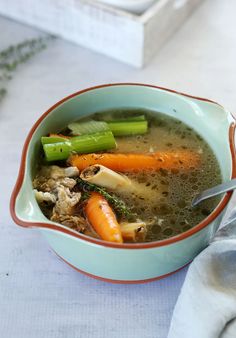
14 55
118 204
3 92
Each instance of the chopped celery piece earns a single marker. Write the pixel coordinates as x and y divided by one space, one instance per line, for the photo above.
57 151
52 139
93 142
80 144
118 127
128 128
87 127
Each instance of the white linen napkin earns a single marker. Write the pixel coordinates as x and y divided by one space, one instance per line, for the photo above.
206 307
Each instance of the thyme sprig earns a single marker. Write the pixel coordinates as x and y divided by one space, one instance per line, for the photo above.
11 57
3 92
118 204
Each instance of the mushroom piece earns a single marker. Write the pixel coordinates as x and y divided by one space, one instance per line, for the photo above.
133 232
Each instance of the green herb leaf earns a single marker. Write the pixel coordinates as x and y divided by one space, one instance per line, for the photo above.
12 56
118 204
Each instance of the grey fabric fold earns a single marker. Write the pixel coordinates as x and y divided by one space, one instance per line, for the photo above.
206 307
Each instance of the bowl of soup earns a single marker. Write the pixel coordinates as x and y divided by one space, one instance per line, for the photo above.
108 175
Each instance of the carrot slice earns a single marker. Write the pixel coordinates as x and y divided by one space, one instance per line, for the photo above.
59 136
103 219
138 161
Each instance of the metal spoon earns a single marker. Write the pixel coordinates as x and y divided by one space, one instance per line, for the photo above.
217 190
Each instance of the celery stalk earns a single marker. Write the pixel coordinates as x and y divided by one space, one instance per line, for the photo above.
57 151
87 127
128 128
52 139
80 144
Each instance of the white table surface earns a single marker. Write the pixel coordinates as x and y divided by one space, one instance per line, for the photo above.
40 296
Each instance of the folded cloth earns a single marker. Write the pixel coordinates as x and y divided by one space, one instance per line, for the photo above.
206 307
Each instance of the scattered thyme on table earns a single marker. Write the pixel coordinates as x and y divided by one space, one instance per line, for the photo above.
14 55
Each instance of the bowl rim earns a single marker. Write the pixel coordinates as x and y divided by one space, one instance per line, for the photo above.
63 229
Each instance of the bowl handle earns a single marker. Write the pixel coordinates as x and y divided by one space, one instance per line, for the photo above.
23 205
232 140
232 218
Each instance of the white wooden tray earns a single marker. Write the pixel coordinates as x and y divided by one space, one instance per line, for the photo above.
130 38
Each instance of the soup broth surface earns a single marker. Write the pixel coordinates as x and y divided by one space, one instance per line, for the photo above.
167 202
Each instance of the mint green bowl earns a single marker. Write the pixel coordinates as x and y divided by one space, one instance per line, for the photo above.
128 263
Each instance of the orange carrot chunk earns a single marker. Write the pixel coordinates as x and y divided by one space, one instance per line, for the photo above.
137 161
103 219
59 136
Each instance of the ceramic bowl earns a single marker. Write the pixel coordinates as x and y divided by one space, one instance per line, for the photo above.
126 262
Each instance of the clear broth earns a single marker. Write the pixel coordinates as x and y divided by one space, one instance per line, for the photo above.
171 192
167 203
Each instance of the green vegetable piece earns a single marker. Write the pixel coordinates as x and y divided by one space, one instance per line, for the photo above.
131 126
128 128
52 139
118 204
57 151
80 144
88 127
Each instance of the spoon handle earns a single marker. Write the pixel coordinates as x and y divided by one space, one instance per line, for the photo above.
218 189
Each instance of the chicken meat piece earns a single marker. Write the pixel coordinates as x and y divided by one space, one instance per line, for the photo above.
55 172
44 197
77 223
49 178
53 185
66 201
